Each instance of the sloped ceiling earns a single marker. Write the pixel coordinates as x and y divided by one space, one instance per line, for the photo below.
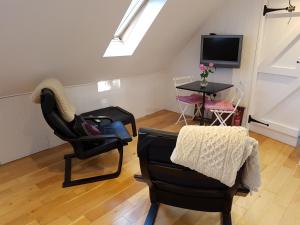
67 38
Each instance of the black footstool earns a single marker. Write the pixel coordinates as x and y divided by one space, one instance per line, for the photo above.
116 114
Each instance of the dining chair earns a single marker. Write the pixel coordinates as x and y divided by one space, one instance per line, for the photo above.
227 107
186 99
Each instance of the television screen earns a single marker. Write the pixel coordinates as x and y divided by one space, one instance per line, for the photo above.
222 50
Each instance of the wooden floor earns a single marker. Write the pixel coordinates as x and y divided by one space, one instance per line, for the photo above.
31 192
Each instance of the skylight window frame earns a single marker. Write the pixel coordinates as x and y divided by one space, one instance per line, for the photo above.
129 18
125 41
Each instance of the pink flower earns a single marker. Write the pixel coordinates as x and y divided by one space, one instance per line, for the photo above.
211 65
202 67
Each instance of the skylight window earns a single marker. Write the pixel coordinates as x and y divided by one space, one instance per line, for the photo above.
134 25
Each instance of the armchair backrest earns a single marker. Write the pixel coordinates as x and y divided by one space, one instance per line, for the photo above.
176 185
155 149
238 96
53 117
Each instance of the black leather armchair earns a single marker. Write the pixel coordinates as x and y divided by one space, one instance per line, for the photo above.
179 186
113 136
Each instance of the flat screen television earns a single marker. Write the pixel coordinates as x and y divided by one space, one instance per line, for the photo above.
221 50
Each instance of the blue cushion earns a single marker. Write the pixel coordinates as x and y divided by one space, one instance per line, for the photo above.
116 128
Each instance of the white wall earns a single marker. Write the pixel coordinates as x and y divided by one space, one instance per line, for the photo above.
235 17
24 131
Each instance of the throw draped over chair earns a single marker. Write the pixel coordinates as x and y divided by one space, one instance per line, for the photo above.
113 135
179 186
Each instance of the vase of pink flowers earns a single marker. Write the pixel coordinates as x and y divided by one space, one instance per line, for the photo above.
204 73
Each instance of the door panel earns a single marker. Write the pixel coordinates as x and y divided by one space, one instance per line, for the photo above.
276 90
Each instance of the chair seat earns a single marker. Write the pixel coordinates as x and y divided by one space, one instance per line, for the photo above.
192 99
223 105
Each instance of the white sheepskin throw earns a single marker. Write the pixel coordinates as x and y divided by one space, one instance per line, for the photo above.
219 152
63 104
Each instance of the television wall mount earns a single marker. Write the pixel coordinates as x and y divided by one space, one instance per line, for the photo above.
289 8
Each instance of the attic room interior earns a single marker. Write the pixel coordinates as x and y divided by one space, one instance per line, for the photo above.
165 112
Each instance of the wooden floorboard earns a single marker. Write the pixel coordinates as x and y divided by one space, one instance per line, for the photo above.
31 192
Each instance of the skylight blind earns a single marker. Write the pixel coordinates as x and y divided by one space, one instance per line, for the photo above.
133 9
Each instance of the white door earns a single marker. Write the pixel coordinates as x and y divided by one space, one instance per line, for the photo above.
276 87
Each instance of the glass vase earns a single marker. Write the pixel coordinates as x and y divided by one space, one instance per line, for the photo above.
203 82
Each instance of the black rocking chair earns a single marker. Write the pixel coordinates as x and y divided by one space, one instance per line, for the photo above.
179 186
113 136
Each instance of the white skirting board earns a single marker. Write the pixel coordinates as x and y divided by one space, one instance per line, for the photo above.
278 132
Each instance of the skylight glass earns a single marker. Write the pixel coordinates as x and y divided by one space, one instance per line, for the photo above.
134 25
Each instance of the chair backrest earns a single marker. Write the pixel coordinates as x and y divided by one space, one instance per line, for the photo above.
238 96
53 117
181 81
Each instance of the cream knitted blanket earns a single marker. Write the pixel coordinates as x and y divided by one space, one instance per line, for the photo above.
63 104
219 152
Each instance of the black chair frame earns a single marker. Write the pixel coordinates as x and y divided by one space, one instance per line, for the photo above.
68 182
175 185
84 146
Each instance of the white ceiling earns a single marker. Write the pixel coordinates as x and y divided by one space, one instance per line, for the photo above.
67 38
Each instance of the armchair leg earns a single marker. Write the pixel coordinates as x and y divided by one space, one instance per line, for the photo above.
139 178
226 218
68 182
133 127
152 213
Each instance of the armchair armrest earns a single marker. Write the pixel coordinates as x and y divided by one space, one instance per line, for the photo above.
93 138
124 111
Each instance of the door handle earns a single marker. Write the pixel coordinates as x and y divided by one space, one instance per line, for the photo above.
250 119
